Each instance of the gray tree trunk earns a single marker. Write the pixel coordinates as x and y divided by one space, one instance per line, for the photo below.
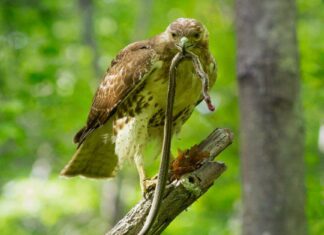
272 132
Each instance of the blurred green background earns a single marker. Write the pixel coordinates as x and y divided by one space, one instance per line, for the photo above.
52 56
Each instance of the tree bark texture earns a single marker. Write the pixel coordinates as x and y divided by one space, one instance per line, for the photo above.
272 133
179 194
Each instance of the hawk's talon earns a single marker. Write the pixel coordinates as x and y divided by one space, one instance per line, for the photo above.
148 185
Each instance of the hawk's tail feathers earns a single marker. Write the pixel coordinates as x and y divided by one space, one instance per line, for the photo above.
88 166
95 157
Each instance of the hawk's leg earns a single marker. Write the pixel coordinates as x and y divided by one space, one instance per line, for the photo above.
147 184
138 159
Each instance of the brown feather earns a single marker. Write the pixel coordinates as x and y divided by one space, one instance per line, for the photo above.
122 78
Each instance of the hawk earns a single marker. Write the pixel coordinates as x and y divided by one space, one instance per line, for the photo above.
128 108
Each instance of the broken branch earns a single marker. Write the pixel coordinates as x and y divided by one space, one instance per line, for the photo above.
179 194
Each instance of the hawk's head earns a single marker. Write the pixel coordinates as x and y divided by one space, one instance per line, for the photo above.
187 34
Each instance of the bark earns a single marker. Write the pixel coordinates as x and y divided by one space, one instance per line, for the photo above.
272 132
179 194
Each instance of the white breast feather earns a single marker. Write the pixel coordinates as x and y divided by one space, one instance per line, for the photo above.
131 138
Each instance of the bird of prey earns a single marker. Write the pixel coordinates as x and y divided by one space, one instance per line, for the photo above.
128 109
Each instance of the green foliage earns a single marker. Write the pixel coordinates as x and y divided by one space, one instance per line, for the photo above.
312 60
47 79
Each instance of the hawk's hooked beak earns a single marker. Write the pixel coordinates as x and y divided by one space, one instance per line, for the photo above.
184 43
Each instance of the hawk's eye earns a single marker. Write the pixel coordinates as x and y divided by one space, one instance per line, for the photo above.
196 35
173 35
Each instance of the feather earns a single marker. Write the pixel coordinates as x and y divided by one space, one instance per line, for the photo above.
95 157
126 73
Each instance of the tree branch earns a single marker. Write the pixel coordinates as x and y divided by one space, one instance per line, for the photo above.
179 194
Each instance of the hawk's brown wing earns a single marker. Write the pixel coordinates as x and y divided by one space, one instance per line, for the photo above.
95 156
123 77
